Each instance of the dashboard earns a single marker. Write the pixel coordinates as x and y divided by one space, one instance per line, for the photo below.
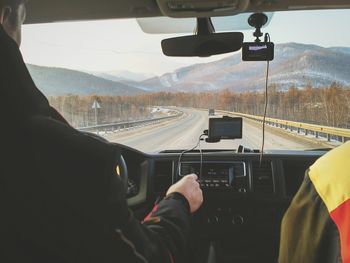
244 200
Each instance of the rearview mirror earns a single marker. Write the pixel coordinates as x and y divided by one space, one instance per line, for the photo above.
202 45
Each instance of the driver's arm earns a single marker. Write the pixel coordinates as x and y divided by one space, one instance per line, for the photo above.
164 233
87 200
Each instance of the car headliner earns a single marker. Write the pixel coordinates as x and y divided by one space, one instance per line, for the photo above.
44 11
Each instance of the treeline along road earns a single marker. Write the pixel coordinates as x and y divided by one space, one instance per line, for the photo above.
328 106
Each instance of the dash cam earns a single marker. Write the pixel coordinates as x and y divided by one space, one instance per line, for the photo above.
258 51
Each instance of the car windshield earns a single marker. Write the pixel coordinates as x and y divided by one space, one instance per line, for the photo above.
111 78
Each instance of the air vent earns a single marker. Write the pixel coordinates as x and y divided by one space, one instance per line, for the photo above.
163 176
239 169
262 178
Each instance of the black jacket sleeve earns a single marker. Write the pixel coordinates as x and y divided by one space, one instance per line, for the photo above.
71 204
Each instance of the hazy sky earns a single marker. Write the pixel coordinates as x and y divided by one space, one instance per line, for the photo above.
121 45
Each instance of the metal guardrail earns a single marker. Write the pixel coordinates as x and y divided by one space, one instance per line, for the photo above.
127 124
317 130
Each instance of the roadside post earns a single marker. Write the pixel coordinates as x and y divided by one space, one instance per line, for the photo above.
96 106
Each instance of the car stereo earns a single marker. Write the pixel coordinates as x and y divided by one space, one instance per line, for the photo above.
214 175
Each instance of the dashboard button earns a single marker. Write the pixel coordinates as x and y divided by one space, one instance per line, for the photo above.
242 190
237 220
213 220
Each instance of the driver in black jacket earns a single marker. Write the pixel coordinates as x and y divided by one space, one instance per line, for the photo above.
61 198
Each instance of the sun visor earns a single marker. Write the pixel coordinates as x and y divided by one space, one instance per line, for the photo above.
167 25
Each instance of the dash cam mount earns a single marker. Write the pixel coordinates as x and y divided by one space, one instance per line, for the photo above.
257 20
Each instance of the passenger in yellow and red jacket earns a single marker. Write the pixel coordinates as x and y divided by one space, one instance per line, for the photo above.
316 226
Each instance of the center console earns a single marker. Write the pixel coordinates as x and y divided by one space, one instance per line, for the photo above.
237 204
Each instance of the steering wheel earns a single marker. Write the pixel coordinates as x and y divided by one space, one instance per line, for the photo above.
121 169
123 172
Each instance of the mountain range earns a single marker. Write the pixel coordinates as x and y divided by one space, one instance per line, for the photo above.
124 75
294 65
59 81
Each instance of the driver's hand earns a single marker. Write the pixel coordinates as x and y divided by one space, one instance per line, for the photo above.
189 188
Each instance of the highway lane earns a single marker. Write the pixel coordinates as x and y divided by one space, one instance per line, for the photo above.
184 134
173 135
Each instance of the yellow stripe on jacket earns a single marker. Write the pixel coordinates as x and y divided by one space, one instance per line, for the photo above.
331 176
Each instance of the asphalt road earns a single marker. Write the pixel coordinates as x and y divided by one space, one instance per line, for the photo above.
184 134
